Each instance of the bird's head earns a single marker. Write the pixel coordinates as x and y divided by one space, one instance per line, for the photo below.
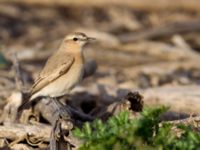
78 38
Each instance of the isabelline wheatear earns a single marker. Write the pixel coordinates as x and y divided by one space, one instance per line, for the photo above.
63 70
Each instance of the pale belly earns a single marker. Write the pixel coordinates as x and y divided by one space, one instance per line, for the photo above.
63 84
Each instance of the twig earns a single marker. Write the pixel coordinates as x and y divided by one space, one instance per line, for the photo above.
194 121
163 31
18 77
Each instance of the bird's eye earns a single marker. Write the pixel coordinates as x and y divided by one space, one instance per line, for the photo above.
75 39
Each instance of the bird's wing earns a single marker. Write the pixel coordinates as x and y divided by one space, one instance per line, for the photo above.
57 65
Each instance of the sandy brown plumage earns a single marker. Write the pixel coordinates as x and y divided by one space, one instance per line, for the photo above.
52 70
63 70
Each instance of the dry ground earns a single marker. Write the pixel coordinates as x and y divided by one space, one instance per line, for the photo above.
153 49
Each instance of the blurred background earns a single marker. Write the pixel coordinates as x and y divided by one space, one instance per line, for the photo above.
150 46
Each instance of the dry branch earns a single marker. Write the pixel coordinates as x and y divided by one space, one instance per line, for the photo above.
22 131
163 31
10 110
194 121
18 76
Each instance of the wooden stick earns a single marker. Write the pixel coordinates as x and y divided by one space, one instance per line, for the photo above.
194 121
17 131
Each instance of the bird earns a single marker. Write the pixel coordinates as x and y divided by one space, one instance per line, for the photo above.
63 70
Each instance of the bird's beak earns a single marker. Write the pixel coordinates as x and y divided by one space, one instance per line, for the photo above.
91 39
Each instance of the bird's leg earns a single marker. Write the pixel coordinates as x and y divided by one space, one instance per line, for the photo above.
54 98
56 103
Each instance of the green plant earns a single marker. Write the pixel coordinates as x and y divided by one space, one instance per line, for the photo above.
121 133
3 61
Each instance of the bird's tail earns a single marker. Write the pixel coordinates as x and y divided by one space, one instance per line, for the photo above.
28 102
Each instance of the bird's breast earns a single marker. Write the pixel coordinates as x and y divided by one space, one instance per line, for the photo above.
64 83
71 78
